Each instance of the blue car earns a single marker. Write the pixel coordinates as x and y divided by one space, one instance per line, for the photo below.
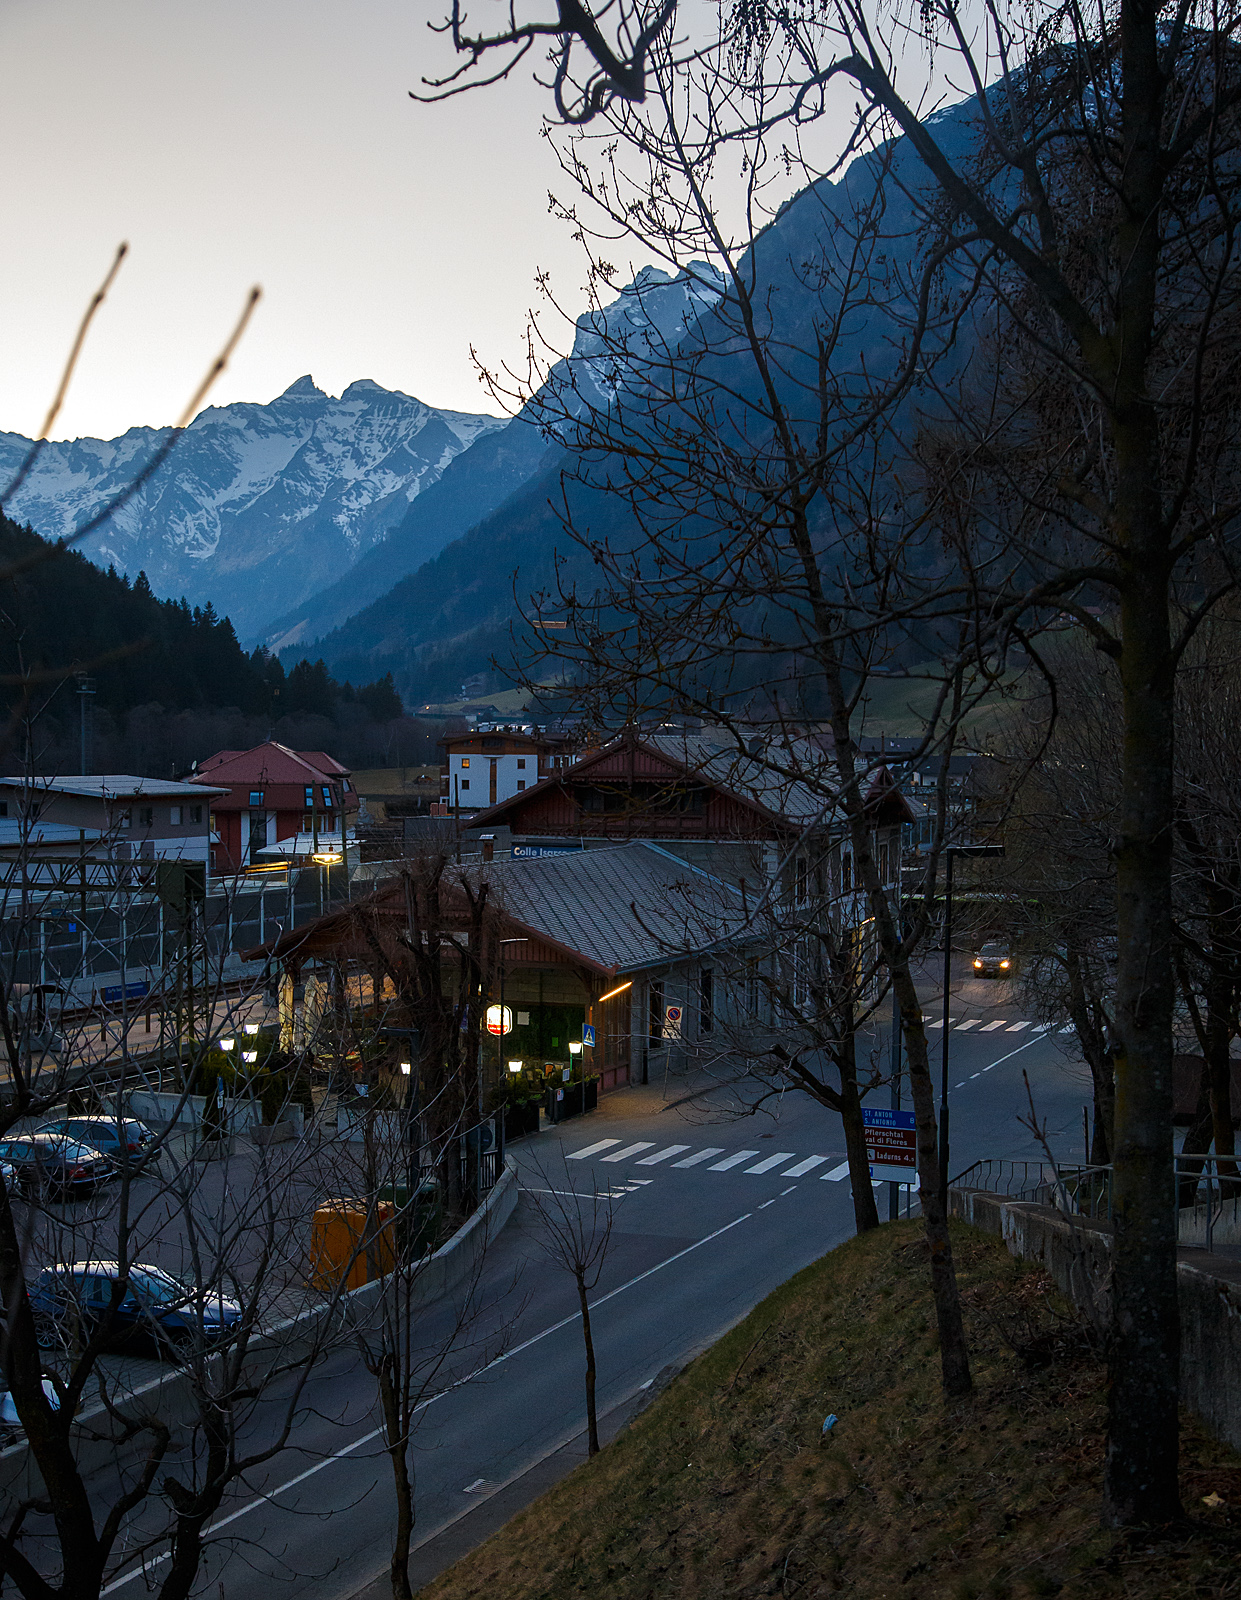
142 1307
126 1140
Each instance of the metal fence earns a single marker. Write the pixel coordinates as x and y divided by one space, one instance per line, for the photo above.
1208 1193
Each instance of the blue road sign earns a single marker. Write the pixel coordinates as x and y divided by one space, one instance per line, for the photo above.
588 1036
114 993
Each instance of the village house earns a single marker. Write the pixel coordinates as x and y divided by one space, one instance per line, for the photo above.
276 805
111 816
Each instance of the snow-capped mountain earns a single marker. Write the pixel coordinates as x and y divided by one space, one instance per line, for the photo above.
259 506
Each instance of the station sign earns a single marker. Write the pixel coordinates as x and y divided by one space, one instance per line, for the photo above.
499 1020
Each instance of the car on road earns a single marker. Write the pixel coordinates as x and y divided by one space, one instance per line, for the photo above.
139 1306
994 960
128 1141
52 1165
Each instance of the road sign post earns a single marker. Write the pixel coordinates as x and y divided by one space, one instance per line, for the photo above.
891 1144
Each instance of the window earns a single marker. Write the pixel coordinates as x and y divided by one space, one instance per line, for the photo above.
327 795
521 783
846 874
655 1015
4 808
803 881
174 816
196 816
706 1000
310 797
465 783
465 761
256 797
521 763
127 819
308 822
146 816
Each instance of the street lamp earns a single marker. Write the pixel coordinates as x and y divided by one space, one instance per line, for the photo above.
951 852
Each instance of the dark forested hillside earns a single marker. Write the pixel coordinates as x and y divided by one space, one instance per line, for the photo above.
168 678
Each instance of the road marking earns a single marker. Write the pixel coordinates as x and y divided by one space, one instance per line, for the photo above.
1016 1027
1069 1029
592 1149
631 1150
938 1024
974 1075
803 1167
662 1155
992 1026
771 1161
730 1161
837 1173
375 1433
1044 1027
478 1483
789 1190
633 1182
972 1023
703 1155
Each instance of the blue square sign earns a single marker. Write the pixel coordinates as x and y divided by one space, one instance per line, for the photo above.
588 1036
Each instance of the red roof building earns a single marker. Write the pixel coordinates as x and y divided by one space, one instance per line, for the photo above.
280 803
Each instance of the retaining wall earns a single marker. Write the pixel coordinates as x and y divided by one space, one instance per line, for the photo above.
171 1397
1077 1252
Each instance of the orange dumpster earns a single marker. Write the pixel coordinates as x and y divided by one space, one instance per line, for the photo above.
340 1248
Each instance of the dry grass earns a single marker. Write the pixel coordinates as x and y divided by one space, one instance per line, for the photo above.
725 1487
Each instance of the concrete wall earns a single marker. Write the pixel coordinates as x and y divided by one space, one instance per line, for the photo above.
310 1336
1076 1252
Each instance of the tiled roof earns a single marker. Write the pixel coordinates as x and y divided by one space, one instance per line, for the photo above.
269 763
623 908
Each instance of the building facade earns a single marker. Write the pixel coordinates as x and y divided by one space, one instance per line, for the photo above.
114 816
276 805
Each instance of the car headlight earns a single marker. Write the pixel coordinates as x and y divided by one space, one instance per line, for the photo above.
978 963
1003 963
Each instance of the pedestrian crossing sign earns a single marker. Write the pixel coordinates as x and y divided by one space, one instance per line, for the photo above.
588 1036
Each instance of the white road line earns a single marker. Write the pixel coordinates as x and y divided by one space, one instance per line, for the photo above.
375 1433
837 1173
992 1026
974 1075
703 1155
731 1161
1016 1027
592 1149
662 1155
789 1190
938 1024
471 1487
772 1161
972 1023
633 1182
1069 1029
631 1150
803 1167
1044 1027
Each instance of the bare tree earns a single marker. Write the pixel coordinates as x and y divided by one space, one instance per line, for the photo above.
575 1235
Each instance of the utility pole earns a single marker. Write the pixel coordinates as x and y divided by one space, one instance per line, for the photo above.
86 694
951 852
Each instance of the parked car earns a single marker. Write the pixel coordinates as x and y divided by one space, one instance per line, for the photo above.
127 1141
50 1164
150 1308
994 960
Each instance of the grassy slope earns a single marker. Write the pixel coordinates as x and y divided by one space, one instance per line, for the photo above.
723 1488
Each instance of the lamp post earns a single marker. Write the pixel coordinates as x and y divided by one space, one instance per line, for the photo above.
411 1111
951 852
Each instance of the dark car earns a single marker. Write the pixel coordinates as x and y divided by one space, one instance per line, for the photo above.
145 1306
994 960
50 1164
127 1141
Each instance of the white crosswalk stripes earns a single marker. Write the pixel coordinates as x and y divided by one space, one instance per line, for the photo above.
990 1027
837 1173
592 1149
1016 1027
731 1161
803 1167
972 1023
662 1155
631 1150
702 1155
777 1160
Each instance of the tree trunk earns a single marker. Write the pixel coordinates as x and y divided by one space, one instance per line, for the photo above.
592 1421
865 1212
1140 1475
398 1454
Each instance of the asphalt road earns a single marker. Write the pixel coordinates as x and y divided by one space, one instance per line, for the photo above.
701 1233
